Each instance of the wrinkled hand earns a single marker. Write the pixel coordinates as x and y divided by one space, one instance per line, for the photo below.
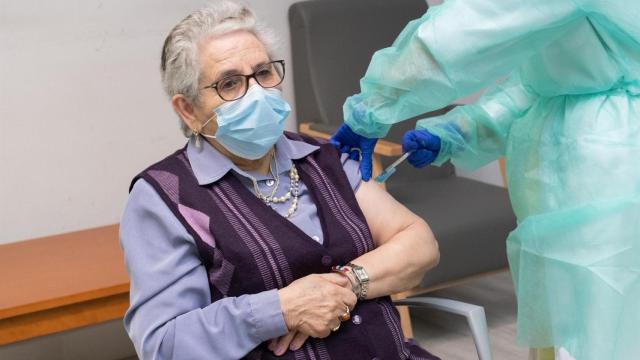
425 147
346 141
312 305
337 279
293 341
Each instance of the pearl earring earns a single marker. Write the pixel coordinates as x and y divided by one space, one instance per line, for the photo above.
197 135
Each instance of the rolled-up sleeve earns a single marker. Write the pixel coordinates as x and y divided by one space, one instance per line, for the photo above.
352 169
171 315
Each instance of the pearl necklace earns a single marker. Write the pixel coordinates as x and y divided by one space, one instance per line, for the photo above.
294 188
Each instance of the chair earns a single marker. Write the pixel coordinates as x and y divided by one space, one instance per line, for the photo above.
332 43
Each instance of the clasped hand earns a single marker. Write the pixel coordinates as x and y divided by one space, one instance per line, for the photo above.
311 306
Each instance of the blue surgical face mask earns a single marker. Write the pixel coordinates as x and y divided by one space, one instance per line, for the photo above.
250 126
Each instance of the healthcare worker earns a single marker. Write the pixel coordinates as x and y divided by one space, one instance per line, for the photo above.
566 114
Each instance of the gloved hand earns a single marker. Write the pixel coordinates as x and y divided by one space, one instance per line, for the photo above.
357 146
425 147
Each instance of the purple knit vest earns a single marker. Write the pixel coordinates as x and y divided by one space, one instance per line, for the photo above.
248 248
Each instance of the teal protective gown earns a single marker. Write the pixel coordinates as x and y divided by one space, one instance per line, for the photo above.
566 114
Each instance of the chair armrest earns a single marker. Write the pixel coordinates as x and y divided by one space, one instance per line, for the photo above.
383 147
474 314
448 305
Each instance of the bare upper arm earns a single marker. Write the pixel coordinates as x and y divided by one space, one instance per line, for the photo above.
386 216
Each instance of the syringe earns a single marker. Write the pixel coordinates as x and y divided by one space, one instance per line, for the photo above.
391 169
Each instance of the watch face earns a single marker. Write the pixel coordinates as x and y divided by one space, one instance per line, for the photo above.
361 274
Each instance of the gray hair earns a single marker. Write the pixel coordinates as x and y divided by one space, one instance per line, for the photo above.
179 63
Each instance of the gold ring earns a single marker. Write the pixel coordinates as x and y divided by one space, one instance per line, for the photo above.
336 328
346 316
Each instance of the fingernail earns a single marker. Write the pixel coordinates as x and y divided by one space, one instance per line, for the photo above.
296 345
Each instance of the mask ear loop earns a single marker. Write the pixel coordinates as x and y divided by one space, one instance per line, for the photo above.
198 133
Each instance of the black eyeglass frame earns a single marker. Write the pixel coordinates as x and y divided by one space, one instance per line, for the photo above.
246 80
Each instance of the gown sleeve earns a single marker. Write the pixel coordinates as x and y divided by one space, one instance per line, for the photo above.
452 51
476 134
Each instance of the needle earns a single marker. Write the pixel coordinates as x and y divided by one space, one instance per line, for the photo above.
391 168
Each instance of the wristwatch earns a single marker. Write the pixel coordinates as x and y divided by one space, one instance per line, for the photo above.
363 279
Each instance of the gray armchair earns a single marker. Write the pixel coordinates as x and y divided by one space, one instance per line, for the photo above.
332 44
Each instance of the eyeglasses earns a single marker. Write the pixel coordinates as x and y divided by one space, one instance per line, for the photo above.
235 86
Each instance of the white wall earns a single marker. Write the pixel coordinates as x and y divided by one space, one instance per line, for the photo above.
81 107
82 110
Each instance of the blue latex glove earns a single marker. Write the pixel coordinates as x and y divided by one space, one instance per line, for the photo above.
348 142
425 147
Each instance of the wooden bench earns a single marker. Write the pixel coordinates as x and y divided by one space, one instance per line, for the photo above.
68 281
61 282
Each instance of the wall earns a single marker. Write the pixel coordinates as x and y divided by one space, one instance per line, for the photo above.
106 341
82 110
81 107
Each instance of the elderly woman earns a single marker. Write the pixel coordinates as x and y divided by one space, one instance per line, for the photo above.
254 243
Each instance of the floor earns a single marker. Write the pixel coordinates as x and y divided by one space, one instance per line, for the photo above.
448 335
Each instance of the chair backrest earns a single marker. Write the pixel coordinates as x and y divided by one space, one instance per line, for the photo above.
332 44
